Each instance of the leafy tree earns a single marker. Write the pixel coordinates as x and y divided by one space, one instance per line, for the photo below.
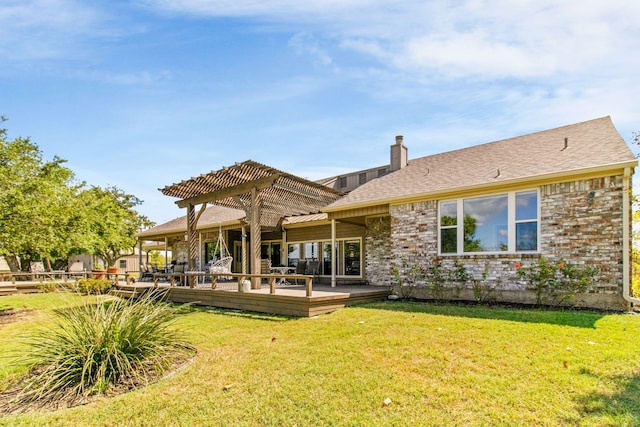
470 244
46 215
111 222
157 258
449 236
37 202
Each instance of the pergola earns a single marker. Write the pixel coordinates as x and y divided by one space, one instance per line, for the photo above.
265 194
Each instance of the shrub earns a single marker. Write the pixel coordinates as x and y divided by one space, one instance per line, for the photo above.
90 285
556 283
48 287
483 289
437 282
99 345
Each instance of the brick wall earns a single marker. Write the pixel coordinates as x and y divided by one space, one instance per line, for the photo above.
581 223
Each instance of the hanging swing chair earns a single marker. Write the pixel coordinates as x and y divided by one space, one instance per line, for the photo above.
223 265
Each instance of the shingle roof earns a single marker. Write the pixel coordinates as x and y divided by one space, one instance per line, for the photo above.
212 216
590 145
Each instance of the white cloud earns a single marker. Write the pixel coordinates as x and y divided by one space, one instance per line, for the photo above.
126 78
43 28
304 42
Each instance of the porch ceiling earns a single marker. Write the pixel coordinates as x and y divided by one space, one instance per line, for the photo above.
282 194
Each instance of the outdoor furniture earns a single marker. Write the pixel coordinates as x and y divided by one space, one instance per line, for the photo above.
313 268
223 265
145 274
179 268
282 270
301 268
265 266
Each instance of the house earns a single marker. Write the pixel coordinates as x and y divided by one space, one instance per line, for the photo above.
561 194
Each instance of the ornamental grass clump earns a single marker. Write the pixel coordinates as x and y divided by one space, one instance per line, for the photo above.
100 346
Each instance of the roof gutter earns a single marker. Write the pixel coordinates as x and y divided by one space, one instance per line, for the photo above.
626 239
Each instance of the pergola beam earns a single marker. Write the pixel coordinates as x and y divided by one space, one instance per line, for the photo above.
236 190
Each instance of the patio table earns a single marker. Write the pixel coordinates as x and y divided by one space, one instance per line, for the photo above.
282 270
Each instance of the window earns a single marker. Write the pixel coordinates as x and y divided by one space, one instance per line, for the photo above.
498 223
527 221
382 172
362 178
348 256
343 181
271 251
123 264
351 257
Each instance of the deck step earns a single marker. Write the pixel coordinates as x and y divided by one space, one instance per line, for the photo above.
8 290
122 293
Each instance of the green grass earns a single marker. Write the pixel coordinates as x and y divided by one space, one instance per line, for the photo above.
439 365
96 345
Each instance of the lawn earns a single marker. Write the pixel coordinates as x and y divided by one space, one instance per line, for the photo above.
436 365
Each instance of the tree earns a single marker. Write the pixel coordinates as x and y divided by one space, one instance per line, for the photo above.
46 215
111 222
37 202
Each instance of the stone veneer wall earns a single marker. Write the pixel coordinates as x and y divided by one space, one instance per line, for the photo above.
581 223
379 251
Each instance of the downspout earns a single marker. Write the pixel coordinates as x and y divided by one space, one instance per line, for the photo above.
626 238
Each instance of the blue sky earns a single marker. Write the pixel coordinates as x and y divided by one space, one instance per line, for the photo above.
144 93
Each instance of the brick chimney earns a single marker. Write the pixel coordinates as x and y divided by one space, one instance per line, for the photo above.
399 155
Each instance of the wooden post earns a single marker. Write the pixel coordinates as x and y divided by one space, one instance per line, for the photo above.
256 231
192 241
334 261
309 285
140 259
244 249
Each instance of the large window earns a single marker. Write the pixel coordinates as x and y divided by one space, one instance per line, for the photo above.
349 256
500 223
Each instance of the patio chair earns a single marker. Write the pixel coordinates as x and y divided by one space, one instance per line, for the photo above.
313 268
223 265
265 266
301 267
37 269
146 275
179 268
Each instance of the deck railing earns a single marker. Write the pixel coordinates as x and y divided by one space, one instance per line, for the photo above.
190 278
65 276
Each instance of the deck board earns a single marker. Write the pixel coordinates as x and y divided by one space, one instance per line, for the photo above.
289 301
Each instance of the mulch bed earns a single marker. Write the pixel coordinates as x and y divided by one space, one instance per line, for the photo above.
9 407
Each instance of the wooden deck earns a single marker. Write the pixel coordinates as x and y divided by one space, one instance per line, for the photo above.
290 300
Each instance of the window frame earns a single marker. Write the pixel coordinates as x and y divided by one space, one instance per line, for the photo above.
341 268
511 223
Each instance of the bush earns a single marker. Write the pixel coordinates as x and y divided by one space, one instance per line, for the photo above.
557 283
635 286
99 345
436 282
48 287
93 286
